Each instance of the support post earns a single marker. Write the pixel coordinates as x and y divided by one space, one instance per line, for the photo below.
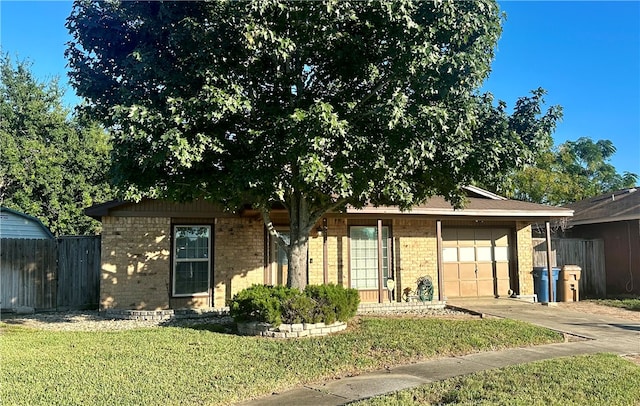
549 264
380 275
439 259
325 253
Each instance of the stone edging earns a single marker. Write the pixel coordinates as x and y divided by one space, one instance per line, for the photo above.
405 307
223 313
289 330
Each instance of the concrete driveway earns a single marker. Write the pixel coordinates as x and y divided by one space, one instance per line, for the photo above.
612 333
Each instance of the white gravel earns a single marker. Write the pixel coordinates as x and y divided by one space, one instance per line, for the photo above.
94 321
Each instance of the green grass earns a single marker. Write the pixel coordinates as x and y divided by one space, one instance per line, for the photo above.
625 303
600 379
171 365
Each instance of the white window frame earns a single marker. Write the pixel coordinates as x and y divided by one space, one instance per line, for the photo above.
177 260
357 281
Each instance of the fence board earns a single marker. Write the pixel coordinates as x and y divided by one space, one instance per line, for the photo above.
27 273
78 271
50 274
588 254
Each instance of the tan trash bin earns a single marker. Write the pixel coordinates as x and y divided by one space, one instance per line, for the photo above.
569 280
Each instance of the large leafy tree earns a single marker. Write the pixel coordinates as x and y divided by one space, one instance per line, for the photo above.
573 171
310 105
52 165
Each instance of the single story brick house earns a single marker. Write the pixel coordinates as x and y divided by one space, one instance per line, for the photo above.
165 255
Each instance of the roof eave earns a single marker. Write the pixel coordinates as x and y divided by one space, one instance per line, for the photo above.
604 220
465 212
97 211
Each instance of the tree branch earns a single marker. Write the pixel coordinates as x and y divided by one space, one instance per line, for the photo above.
272 230
317 214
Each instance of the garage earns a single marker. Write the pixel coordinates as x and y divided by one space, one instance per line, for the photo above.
475 262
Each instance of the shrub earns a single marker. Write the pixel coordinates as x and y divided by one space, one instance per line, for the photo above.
279 304
298 309
334 302
260 303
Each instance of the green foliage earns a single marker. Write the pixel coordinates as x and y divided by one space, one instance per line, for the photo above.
314 105
334 302
52 164
573 171
279 304
261 303
300 309
178 366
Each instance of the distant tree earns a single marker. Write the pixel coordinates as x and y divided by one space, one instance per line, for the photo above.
314 105
573 171
52 165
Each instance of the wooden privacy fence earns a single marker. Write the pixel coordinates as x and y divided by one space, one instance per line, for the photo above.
587 254
50 274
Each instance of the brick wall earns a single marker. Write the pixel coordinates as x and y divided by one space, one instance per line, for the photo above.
525 257
136 267
316 269
135 263
415 253
238 257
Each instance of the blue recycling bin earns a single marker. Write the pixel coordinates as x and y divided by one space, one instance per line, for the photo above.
541 283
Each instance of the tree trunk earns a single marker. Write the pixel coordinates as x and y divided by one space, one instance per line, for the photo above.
300 222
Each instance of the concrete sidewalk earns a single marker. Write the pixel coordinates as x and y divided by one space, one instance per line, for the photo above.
599 333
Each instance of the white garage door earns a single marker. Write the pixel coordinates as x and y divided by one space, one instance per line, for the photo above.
476 262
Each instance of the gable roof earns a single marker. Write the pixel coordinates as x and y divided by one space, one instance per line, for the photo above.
15 224
620 205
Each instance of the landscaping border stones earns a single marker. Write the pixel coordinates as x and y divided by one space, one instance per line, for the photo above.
289 330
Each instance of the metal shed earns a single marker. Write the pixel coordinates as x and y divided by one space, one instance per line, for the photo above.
14 224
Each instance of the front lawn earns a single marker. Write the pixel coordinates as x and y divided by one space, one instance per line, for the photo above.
601 379
173 365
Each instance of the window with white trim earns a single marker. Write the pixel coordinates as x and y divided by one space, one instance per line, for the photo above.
364 256
191 260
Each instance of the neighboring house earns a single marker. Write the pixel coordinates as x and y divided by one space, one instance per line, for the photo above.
166 255
614 218
14 224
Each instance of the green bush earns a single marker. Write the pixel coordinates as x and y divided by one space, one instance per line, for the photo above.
261 303
298 309
279 304
334 302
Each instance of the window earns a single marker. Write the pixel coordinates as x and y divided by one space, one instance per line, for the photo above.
280 262
364 256
192 262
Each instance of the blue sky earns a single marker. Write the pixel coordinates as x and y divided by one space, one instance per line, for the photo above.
585 54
